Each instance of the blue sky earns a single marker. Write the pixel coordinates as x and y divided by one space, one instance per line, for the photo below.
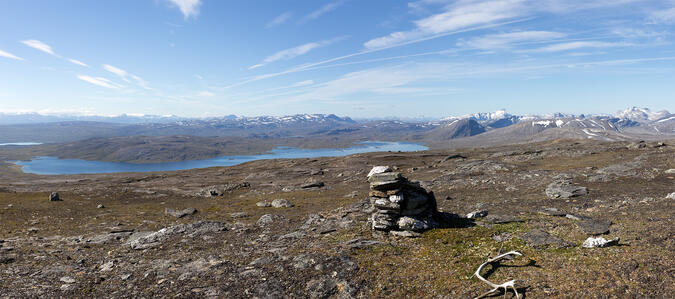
361 58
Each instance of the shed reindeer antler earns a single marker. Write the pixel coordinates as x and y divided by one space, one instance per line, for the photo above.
496 287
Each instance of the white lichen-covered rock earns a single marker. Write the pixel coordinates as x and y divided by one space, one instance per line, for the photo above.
671 196
396 198
477 214
379 169
670 171
411 224
592 242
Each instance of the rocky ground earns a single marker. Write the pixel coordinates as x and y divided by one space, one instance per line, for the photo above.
301 228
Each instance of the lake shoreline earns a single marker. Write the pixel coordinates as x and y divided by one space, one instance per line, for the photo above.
50 165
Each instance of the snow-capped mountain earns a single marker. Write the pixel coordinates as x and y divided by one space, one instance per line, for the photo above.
34 117
642 114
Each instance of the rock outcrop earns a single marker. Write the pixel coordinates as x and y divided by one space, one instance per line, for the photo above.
54 196
402 207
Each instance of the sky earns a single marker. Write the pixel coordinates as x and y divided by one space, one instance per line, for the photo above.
359 58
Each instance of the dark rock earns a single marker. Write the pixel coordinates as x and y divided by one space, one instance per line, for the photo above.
312 185
6 259
385 180
180 213
501 219
594 227
54 196
538 238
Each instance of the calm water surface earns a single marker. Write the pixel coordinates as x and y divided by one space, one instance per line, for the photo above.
51 165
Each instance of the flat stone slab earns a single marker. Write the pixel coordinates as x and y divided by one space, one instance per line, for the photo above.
538 238
564 190
594 227
552 212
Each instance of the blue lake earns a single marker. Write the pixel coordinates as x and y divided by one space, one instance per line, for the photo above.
51 165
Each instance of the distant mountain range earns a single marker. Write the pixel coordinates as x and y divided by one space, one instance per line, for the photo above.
466 130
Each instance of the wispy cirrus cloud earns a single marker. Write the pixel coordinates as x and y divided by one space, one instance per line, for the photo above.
567 46
127 77
75 61
663 16
9 55
279 20
38 45
296 51
506 40
41 46
458 16
189 8
117 71
100 81
322 11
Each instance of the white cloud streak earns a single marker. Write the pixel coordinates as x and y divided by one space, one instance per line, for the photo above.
578 45
117 71
296 51
99 81
9 55
38 45
189 8
506 40
322 10
75 61
457 16
280 19
664 16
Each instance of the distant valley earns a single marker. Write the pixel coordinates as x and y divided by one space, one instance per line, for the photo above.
145 139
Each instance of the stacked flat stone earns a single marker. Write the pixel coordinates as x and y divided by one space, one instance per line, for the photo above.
401 205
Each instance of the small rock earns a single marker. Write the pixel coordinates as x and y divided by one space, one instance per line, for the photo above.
477 214
6 259
594 227
264 204
502 237
539 238
239 215
379 169
553 212
592 242
67 287
411 224
125 276
564 189
100 206
405 233
107 266
281 203
385 181
180 213
269 219
670 171
67 279
671 196
313 185
54 196
358 243
501 219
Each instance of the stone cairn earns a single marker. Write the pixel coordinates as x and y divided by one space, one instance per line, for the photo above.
402 207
